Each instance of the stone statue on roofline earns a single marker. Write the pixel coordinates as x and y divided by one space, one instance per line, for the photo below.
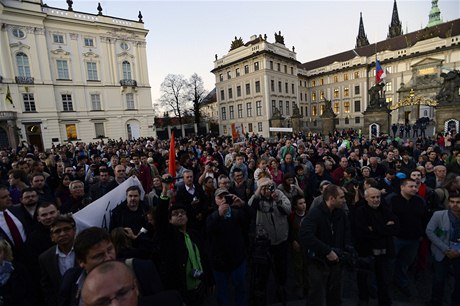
279 38
236 43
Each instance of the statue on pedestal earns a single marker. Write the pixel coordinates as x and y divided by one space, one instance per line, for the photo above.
449 93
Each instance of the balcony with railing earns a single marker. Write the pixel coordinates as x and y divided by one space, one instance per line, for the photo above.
24 80
128 83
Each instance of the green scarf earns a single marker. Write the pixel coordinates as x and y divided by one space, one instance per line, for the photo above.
193 263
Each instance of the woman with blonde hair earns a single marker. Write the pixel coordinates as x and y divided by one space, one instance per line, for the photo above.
14 285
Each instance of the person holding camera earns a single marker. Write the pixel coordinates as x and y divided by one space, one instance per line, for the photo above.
226 231
323 233
272 208
375 226
183 262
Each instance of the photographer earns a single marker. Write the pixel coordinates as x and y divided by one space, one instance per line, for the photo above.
323 232
375 227
226 230
183 262
272 208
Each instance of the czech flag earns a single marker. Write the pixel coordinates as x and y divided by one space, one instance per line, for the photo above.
379 73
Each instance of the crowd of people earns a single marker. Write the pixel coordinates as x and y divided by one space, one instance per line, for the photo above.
231 214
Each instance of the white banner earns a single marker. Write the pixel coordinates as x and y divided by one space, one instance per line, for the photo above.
98 213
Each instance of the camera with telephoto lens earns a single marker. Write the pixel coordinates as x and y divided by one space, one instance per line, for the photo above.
167 180
353 262
197 273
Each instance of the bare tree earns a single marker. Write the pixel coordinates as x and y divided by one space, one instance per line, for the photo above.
174 95
196 94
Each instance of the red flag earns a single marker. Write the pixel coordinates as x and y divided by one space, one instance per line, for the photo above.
172 156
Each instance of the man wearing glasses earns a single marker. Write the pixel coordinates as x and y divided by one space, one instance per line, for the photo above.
113 281
55 261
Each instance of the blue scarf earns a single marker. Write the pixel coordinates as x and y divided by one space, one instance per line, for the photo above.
5 272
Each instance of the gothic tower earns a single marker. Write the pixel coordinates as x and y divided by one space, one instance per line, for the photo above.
435 14
361 39
395 28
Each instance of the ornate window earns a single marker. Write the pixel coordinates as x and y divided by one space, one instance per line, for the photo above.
62 69
29 102
96 102
129 101
126 68
67 104
91 68
22 62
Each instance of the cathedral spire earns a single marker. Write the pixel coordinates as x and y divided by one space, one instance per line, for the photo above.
395 28
435 14
361 39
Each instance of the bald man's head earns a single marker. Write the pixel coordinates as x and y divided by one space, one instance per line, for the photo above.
111 280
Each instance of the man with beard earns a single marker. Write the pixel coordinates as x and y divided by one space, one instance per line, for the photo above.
27 210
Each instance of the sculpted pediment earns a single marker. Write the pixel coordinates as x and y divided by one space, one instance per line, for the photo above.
60 51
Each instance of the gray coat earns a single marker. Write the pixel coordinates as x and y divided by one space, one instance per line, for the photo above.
273 216
438 231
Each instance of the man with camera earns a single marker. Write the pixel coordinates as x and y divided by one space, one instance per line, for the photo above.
226 230
324 233
272 208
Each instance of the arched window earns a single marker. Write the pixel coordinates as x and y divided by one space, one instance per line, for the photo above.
23 65
126 66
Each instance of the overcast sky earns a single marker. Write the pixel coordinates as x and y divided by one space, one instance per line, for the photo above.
185 35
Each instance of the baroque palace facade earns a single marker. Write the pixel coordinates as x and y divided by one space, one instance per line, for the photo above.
258 80
71 76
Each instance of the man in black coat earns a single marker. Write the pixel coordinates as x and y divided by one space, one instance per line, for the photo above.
324 233
226 231
115 280
375 226
179 245
92 247
192 197
55 261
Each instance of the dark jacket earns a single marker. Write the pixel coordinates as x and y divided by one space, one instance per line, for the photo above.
122 216
381 235
50 276
16 292
226 238
144 270
322 231
411 215
173 252
196 213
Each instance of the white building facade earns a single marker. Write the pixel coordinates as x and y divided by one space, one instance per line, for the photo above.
414 63
72 76
252 80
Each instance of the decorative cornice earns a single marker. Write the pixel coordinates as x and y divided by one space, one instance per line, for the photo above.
19 45
60 51
125 54
90 54
123 35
